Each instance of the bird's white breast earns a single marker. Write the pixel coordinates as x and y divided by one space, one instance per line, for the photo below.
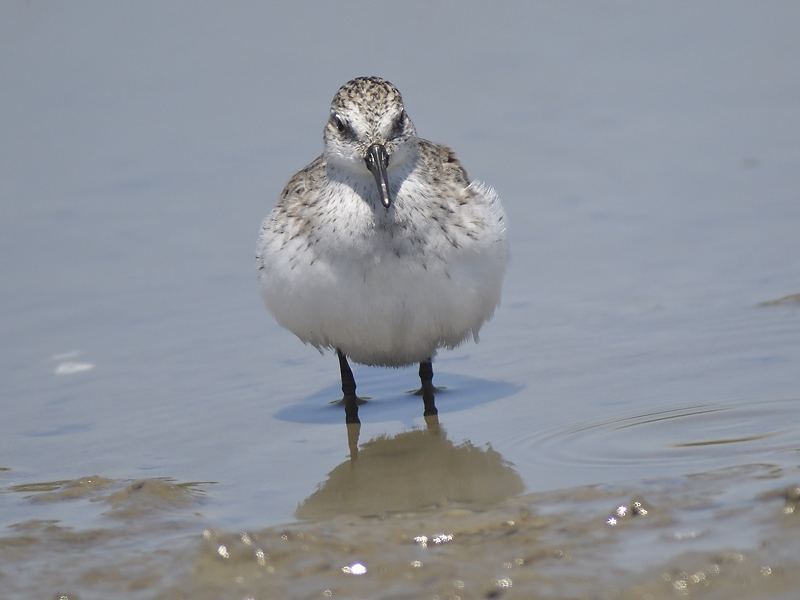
388 287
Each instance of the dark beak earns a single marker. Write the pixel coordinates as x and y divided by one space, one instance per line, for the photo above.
377 162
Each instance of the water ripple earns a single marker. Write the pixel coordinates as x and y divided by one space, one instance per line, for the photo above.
754 430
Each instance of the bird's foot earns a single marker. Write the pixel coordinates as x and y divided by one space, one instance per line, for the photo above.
426 389
345 400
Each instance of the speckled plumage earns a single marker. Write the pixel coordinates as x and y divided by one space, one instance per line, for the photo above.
387 280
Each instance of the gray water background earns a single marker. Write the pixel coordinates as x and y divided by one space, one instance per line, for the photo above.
647 154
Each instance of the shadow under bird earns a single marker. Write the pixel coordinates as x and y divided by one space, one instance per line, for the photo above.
382 249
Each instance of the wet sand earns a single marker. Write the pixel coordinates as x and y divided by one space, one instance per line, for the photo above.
657 539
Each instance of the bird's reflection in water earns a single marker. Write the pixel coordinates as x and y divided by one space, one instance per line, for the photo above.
352 403
413 470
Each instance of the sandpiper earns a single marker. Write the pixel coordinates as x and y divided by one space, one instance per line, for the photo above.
382 249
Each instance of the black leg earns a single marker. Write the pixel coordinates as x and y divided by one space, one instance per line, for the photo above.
426 373
427 389
350 400
348 381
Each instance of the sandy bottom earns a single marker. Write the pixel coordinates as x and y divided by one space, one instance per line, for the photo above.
659 539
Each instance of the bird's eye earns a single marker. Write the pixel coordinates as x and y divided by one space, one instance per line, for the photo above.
340 125
397 126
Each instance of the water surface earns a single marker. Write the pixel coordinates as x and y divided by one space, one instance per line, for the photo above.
159 429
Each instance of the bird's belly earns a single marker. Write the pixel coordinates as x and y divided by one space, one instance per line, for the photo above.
384 309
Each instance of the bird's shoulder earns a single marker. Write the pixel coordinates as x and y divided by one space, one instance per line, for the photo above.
293 214
302 189
442 163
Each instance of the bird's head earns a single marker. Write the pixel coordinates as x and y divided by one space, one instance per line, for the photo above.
369 130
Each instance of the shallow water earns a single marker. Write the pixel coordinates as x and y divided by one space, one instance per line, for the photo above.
159 430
